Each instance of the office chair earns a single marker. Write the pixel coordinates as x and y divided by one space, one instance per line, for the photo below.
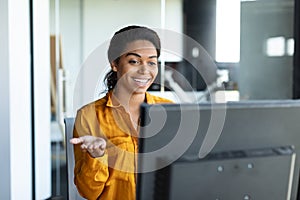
72 190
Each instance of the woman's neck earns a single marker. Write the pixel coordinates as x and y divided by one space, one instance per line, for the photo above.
131 101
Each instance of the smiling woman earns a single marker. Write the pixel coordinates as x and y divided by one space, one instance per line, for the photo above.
106 131
137 69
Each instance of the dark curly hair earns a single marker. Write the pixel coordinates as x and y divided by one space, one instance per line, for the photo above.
118 44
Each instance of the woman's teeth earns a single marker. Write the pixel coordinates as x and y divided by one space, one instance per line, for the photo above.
142 80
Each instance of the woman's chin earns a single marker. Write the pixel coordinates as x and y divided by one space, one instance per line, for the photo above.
140 90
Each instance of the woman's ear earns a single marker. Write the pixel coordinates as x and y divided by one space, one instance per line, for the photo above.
114 67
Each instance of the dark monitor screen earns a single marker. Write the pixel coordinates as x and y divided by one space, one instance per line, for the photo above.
242 150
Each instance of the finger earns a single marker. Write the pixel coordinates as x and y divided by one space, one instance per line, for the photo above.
98 146
90 148
102 146
97 153
83 146
76 140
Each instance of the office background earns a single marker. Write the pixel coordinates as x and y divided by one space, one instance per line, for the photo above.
44 44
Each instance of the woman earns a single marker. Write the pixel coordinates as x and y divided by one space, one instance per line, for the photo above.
106 131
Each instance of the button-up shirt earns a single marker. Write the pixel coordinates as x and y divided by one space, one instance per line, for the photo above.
112 176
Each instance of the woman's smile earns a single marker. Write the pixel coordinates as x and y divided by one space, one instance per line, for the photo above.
142 82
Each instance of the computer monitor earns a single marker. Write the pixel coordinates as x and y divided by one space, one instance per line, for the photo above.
241 150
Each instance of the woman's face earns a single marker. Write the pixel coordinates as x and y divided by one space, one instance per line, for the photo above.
137 67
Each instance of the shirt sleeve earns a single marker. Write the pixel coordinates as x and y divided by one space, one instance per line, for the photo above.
90 174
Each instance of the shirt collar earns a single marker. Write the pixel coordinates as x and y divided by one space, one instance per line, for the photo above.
109 100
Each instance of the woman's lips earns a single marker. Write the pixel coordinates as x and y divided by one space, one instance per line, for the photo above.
142 81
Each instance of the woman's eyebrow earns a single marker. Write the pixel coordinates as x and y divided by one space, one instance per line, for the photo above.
137 55
133 54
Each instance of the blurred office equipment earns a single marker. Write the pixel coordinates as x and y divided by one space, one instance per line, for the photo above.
267 57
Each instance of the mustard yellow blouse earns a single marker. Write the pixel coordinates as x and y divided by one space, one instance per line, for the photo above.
112 176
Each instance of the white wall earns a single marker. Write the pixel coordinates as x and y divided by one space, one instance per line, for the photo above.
102 18
41 79
15 115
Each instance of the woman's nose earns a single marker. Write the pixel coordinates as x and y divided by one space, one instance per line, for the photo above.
143 68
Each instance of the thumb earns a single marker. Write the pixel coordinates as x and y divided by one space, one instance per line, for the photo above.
103 145
76 140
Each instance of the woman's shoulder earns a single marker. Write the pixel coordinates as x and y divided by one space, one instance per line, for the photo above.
95 105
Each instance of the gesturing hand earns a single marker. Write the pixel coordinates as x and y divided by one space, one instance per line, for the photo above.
95 146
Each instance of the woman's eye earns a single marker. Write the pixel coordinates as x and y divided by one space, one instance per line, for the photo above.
152 63
133 62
